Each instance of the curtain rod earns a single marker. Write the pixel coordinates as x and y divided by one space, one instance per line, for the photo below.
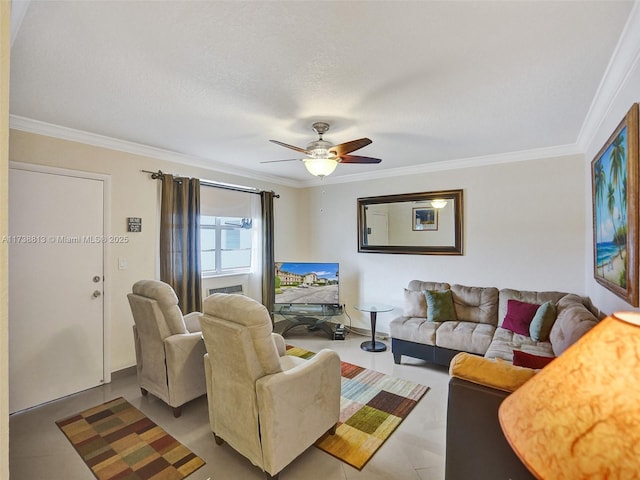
159 175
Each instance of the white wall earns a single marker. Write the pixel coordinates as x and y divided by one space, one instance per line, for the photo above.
626 93
134 194
523 222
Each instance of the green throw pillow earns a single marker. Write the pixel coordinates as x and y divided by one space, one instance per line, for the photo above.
542 322
440 306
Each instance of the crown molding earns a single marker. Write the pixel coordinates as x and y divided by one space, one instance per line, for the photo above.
64 133
70 134
624 60
470 162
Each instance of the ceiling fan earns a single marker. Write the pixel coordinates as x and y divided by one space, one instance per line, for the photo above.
323 157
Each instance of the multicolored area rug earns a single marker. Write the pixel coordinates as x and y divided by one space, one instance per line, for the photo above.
372 405
118 442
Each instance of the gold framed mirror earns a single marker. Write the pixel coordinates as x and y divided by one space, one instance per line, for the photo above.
424 223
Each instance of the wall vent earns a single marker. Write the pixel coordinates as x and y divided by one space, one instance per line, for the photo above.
229 289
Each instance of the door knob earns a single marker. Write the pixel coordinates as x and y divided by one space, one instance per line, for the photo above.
96 279
96 293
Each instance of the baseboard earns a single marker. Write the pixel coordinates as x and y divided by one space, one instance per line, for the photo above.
365 332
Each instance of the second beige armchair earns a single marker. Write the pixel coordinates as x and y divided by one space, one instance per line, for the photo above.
169 346
267 405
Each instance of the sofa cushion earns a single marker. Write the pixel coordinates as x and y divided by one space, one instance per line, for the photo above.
440 306
542 322
420 286
465 336
414 329
529 360
573 321
505 341
524 296
519 316
415 303
476 304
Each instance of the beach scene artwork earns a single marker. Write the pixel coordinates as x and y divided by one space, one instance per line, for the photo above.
610 209
616 203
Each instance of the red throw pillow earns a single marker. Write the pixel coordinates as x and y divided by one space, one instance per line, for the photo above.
519 316
529 360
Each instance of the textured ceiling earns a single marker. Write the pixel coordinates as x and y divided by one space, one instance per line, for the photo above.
427 81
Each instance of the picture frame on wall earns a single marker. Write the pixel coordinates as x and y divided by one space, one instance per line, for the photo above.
425 219
614 193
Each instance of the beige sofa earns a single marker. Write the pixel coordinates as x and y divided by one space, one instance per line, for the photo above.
478 324
483 376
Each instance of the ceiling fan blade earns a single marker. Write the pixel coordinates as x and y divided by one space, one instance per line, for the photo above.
297 149
358 159
349 147
287 160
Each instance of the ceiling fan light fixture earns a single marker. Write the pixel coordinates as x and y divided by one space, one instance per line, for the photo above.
322 157
320 167
439 203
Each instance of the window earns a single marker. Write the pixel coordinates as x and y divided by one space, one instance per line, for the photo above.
227 233
225 244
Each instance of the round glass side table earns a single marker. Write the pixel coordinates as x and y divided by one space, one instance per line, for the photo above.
373 309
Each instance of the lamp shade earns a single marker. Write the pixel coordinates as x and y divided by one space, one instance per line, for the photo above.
579 417
320 167
439 203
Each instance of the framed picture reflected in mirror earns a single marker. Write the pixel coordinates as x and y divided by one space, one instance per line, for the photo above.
425 219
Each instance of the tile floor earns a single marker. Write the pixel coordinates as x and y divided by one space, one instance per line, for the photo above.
415 451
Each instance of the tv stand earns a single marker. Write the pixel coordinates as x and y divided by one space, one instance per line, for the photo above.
314 317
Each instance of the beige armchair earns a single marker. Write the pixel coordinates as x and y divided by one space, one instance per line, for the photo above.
267 405
169 346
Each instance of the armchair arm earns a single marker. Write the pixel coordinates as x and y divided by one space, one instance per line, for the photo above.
280 345
494 373
309 395
185 369
192 322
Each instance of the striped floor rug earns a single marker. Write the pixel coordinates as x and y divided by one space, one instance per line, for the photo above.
118 442
372 405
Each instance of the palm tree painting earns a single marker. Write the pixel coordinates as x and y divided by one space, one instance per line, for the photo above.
610 212
615 210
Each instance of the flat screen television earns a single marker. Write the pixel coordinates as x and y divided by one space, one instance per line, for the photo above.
307 283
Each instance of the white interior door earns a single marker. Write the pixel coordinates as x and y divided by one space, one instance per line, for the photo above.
56 307
378 224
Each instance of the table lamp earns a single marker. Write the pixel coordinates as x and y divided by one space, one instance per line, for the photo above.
579 417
